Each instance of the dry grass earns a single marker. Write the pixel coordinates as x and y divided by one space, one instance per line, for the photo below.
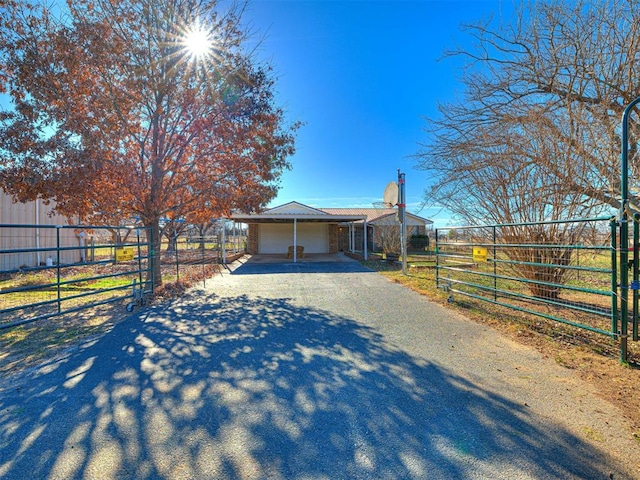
28 345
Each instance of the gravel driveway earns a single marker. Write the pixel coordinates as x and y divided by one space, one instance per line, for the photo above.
306 371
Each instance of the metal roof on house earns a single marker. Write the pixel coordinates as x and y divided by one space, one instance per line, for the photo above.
372 214
301 212
295 211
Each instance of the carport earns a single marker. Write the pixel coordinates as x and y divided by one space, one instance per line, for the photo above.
299 229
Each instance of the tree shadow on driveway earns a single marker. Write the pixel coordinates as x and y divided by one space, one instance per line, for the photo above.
246 388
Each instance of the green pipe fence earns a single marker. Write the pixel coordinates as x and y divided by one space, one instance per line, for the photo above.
50 270
190 255
562 270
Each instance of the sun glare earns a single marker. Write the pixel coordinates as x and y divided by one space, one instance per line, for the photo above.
198 42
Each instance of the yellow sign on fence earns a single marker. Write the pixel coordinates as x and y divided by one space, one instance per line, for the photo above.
124 254
479 254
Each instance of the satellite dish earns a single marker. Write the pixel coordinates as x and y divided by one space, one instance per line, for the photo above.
390 196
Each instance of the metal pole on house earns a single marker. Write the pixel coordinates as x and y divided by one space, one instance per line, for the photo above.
373 238
352 238
402 214
232 232
624 232
364 236
295 240
235 239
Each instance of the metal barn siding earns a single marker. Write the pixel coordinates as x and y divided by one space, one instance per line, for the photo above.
30 226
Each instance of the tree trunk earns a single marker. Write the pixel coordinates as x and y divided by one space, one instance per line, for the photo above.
154 239
172 243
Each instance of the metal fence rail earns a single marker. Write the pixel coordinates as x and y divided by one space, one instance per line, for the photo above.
563 271
51 270
48 270
188 255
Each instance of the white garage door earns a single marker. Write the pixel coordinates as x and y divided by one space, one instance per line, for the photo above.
276 237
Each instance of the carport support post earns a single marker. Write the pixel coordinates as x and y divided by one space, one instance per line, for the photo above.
624 232
352 237
235 238
295 240
365 239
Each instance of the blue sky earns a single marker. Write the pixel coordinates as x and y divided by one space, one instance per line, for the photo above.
362 75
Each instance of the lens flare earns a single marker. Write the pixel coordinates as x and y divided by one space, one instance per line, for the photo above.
198 42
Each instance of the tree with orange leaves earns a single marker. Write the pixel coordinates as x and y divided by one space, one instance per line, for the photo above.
147 109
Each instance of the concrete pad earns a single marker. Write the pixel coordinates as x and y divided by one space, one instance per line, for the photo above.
307 258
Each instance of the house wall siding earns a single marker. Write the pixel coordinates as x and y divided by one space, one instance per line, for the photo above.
275 238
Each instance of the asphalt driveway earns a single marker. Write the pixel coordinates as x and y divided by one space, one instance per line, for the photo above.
318 370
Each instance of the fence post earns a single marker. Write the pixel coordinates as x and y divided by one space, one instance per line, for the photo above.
204 270
58 275
151 254
635 284
437 261
223 243
175 236
614 277
139 259
624 230
495 267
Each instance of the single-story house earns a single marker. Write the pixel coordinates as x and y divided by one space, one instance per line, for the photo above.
319 230
377 221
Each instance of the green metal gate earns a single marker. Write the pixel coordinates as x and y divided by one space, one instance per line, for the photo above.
565 270
536 267
50 270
